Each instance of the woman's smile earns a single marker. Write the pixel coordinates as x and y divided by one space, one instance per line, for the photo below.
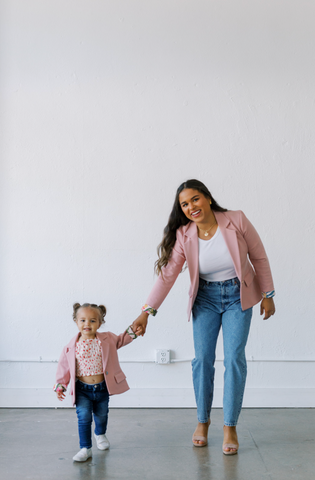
195 213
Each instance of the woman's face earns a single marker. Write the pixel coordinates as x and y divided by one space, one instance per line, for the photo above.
195 205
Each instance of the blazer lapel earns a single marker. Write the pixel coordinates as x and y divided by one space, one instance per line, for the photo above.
228 231
103 336
70 354
191 248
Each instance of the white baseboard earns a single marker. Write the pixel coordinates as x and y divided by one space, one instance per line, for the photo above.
163 398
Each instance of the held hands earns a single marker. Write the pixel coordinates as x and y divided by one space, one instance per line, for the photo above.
268 306
140 324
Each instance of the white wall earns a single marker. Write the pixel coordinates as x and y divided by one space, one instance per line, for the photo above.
106 107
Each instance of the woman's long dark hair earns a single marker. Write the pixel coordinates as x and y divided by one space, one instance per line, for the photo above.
176 219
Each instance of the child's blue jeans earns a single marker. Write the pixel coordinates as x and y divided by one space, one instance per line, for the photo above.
91 398
218 305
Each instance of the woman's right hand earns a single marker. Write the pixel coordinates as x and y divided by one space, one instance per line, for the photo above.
139 326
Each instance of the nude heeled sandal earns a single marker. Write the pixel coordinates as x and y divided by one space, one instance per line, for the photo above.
230 445
200 438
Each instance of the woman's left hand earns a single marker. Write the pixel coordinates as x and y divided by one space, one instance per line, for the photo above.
268 306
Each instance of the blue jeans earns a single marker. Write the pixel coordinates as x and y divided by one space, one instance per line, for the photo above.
91 398
218 304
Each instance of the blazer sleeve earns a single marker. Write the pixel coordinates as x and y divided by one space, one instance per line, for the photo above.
169 274
257 254
63 371
122 339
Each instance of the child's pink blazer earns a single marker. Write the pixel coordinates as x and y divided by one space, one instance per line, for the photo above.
245 247
114 376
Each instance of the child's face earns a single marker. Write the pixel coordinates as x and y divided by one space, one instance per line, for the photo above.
88 321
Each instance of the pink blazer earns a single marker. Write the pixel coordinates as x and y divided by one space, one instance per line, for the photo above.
247 252
114 376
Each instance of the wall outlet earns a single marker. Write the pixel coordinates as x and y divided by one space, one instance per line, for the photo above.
162 356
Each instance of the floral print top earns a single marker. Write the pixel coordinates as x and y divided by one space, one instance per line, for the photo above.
88 357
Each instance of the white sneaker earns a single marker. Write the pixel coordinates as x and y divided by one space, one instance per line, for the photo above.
83 455
101 442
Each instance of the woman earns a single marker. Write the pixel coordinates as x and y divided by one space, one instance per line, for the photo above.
229 274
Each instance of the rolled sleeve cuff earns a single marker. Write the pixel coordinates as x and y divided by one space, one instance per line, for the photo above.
58 387
148 309
131 333
268 294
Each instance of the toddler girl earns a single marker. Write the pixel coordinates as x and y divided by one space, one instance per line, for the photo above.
90 362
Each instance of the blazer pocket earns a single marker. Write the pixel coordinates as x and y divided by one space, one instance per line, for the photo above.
249 277
119 377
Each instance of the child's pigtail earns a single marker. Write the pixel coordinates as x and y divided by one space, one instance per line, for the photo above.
76 307
102 309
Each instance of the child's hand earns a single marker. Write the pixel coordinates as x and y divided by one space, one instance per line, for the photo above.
60 395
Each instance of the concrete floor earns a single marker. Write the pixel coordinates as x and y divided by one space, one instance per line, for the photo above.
155 444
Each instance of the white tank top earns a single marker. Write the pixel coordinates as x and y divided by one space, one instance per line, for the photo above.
215 261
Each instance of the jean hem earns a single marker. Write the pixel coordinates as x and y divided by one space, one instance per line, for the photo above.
203 421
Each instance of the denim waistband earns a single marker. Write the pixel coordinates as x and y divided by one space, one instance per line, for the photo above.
232 281
96 387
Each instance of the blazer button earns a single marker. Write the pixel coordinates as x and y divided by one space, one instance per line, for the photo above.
106 373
